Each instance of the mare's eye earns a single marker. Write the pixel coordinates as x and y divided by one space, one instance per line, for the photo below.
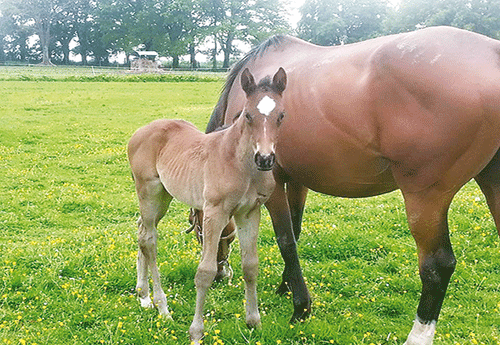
280 118
248 117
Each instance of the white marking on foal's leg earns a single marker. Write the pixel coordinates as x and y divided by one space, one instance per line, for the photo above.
146 302
266 105
142 287
159 297
160 302
421 334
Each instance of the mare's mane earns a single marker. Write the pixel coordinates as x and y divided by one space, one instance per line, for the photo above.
217 118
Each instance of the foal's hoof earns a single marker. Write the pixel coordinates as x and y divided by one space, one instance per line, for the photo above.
196 333
146 302
163 311
253 321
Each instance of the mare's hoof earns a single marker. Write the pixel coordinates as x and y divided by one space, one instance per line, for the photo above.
222 273
283 289
301 312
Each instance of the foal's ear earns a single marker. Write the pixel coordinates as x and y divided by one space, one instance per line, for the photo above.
279 81
247 82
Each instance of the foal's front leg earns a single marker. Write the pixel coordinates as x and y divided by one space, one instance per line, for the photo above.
248 231
213 223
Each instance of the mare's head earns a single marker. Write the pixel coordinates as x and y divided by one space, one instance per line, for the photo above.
263 112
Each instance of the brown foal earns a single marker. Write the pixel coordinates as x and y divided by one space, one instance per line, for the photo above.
226 174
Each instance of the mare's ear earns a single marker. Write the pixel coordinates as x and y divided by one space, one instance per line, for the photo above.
279 81
247 82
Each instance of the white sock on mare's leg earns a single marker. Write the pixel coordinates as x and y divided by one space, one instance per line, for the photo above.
421 333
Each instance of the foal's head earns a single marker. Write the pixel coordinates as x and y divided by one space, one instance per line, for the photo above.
263 112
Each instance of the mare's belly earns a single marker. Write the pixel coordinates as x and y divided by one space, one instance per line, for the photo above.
327 179
333 164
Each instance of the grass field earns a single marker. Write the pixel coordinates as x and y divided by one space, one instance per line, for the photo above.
104 74
68 250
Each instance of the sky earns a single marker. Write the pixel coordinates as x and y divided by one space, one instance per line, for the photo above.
294 6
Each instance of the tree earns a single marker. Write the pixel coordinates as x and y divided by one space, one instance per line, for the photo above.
3 35
42 15
63 33
14 40
247 21
117 20
167 27
328 22
482 16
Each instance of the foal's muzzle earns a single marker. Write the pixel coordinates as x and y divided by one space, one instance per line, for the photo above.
265 162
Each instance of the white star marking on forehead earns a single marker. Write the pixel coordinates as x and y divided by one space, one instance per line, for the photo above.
266 105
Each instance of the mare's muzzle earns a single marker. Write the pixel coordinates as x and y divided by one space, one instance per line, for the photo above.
265 162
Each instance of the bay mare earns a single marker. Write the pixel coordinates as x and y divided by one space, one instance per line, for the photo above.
226 174
418 111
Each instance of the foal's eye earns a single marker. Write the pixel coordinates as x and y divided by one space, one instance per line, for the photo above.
280 118
248 117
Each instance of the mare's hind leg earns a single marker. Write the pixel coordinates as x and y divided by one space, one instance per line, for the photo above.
153 204
489 182
279 211
427 217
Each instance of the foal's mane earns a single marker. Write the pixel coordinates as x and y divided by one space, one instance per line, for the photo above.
217 118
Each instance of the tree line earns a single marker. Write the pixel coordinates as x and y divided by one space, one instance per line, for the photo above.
175 28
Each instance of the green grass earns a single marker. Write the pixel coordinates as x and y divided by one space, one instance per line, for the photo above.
101 74
67 239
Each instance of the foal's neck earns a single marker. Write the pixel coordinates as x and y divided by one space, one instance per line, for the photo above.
239 144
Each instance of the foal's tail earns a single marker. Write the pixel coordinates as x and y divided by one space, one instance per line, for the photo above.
217 118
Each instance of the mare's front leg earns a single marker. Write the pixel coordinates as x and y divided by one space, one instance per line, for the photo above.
296 195
214 221
427 217
292 275
153 204
248 231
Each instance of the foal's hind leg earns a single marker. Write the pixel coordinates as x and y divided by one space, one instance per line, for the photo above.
153 203
489 182
427 217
